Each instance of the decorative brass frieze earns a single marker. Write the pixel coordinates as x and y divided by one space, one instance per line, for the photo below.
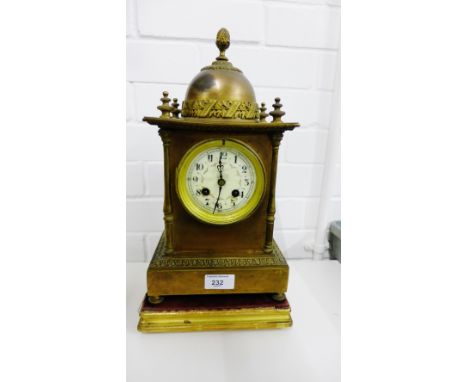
160 260
211 108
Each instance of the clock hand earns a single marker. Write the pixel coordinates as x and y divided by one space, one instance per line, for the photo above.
221 181
220 167
217 200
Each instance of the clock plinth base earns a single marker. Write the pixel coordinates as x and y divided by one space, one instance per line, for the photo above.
174 275
214 312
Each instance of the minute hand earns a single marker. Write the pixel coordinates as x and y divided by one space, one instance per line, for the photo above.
217 200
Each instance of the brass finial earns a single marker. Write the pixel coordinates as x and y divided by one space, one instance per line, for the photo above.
165 108
277 113
263 113
223 40
175 108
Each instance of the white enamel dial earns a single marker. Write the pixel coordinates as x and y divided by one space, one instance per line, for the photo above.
221 180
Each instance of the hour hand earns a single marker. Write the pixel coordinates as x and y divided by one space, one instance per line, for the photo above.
220 166
220 169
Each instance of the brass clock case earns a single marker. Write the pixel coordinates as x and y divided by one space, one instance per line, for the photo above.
219 105
228 217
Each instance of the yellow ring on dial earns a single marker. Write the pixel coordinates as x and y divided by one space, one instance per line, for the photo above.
225 217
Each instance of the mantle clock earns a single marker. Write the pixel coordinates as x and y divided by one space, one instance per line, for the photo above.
220 166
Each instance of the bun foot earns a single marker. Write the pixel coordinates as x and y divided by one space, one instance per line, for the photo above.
155 299
279 297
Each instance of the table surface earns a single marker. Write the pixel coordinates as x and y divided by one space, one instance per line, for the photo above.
308 351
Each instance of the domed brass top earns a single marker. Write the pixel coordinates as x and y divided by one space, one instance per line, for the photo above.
220 90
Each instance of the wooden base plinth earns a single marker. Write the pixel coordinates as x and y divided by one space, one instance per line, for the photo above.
214 312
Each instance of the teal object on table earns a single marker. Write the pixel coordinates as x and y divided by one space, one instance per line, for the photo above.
334 239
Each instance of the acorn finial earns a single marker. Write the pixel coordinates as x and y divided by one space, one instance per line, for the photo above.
277 113
165 108
175 108
223 40
263 113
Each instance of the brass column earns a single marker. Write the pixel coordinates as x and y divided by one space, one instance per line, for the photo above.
168 216
275 140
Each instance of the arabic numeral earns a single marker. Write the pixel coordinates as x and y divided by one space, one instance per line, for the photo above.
217 282
199 166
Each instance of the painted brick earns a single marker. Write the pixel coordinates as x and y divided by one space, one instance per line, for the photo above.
130 102
155 176
201 19
131 24
316 27
336 181
306 107
135 248
292 243
144 215
147 97
306 146
310 2
151 241
297 213
272 67
327 71
299 180
282 154
155 61
135 179
143 143
335 209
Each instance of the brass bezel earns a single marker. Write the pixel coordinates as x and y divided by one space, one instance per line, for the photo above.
227 217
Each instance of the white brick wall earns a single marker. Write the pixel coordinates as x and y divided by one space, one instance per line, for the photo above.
285 48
